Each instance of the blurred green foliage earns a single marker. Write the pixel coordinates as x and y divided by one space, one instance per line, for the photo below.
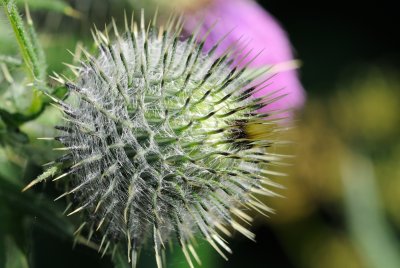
344 181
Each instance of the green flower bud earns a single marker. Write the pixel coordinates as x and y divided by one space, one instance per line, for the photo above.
163 141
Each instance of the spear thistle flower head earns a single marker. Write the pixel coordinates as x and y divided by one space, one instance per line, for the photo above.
163 142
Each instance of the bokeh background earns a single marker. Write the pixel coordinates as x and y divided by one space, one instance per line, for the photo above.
341 205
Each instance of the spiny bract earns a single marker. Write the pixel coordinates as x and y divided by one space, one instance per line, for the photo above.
163 141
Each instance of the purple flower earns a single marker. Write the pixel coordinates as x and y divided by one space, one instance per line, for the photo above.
249 22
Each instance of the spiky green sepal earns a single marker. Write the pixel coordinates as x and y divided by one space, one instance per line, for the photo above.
164 141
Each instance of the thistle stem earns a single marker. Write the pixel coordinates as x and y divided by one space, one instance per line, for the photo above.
26 46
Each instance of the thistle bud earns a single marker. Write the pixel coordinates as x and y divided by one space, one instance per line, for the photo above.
163 141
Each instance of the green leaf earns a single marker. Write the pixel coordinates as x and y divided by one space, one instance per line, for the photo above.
371 233
35 206
37 47
16 119
50 5
25 44
15 258
8 170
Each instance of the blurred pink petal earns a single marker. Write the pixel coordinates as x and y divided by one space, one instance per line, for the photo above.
257 28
